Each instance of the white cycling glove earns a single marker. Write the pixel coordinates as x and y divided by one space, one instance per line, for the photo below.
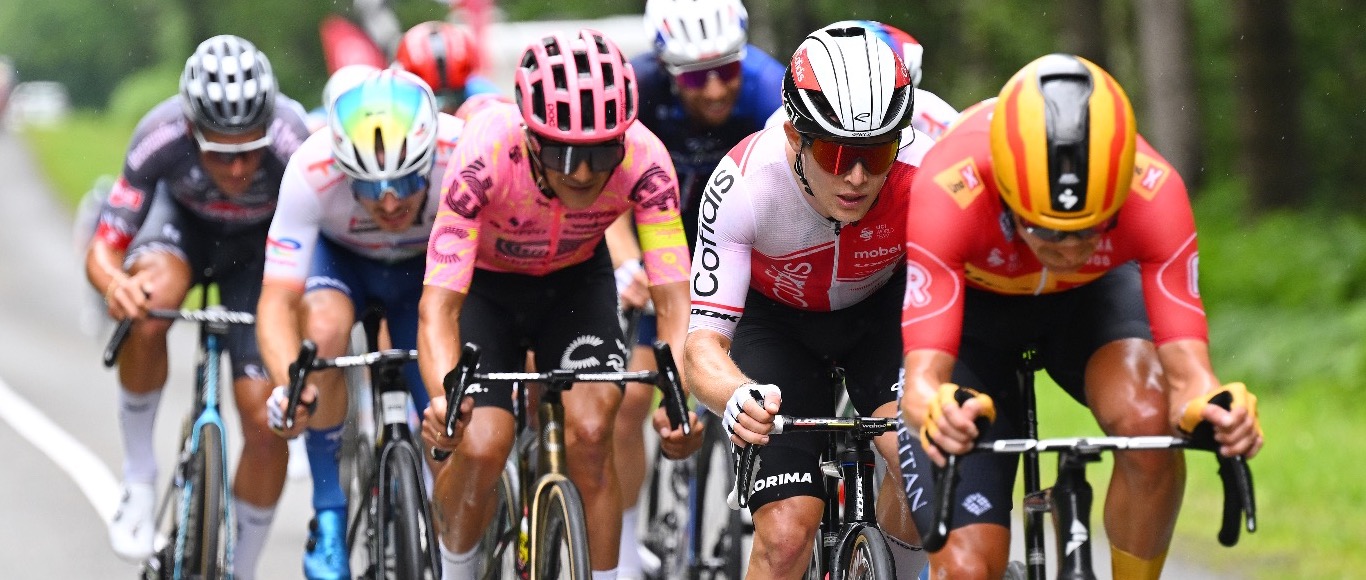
275 413
626 274
752 392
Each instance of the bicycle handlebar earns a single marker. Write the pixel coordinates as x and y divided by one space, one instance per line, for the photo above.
862 428
208 315
666 379
308 361
1240 504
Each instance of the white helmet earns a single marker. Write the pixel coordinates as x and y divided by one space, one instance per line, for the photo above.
844 82
227 86
697 34
384 127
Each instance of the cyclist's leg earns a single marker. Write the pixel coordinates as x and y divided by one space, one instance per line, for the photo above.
629 445
1103 346
582 333
261 468
156 258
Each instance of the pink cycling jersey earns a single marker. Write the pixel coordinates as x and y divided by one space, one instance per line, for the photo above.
757 229
494 217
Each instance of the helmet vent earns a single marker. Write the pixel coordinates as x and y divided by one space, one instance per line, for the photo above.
379 147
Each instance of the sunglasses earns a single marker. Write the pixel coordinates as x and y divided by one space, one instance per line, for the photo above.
697 79
402 187
840 158
226 153
565 158
1051 236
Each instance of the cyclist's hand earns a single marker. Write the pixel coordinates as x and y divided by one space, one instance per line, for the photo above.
126 297
632 285
275 410
673 442
746 419
434 424
1237 430
953 420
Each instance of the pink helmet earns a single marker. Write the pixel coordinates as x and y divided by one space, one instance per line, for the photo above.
576 89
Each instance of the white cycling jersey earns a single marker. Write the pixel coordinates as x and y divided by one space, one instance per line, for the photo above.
932 116
316 198
758 230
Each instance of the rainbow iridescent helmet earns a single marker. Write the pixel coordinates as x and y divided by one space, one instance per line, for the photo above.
384 127
576 89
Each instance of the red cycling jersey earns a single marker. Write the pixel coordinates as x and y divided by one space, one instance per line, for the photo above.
959 234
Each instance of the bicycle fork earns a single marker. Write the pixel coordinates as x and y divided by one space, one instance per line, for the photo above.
1069 500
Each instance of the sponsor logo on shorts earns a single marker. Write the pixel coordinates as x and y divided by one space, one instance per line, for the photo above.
763 483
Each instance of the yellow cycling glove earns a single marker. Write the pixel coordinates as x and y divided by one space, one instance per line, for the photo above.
951 393
1239 397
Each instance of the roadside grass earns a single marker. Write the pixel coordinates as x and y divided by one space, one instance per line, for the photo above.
1296 335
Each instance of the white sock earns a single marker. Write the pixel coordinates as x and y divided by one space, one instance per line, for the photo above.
605 574
137 421
459 566
253 525
628 558
910 562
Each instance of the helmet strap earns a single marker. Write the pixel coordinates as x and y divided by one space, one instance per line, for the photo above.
800 170
537 170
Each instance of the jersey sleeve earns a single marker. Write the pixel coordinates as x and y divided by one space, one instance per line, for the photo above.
294 229
659 223
721 264
1158 213
130 199
454 243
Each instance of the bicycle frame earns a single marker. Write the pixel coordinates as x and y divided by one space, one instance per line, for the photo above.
1069 499
214 325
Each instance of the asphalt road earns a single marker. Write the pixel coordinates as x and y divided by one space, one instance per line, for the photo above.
58 428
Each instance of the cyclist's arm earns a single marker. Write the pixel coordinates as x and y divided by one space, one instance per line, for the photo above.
120 217
277 330
438 335
671 312
711 374
290 243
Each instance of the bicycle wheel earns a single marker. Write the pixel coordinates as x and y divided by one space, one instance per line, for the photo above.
407 531
718 533
864 555
499 542
819 567
559 541
202 553
664 540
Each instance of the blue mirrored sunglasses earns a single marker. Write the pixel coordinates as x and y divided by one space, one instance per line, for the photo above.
401 187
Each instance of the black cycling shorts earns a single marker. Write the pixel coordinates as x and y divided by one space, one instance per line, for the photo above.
1065 328
796 350
233 256
568 317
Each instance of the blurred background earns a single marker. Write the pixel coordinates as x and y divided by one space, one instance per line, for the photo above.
1258 104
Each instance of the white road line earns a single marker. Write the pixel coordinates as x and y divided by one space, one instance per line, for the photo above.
83 467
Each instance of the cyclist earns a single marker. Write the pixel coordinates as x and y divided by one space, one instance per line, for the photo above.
702 89
1042 219
446 57
798 268
351 230
517 260
932 114
198 187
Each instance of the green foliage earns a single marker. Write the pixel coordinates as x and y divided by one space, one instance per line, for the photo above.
141 91
79 150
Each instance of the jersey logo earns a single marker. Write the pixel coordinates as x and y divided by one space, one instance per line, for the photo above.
567 360
124 195
1149 175
917 285
962 181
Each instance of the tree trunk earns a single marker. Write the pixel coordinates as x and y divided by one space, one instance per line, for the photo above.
1083 30
1171 120
1268 95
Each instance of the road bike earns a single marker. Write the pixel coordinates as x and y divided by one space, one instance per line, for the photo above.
849 544
196 538
389 530
539 530
1069 499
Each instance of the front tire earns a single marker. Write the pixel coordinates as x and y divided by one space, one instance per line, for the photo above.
202 551
864 555
719 532
407 506
560 537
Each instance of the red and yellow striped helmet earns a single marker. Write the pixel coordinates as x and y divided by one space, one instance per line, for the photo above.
1062 143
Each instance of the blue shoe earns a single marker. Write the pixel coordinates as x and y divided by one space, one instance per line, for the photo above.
325 557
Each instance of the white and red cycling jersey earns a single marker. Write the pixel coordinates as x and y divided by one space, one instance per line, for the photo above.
757 229
493 215
316 199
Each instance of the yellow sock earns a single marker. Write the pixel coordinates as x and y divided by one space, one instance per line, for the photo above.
1126 566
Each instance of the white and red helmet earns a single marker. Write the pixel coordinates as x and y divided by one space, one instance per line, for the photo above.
844 82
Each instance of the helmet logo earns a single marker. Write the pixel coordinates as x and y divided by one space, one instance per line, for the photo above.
1068 198
862 117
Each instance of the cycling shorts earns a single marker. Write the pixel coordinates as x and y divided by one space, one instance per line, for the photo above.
234 257
396 286
1065 328
568 318
647 330
796 350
